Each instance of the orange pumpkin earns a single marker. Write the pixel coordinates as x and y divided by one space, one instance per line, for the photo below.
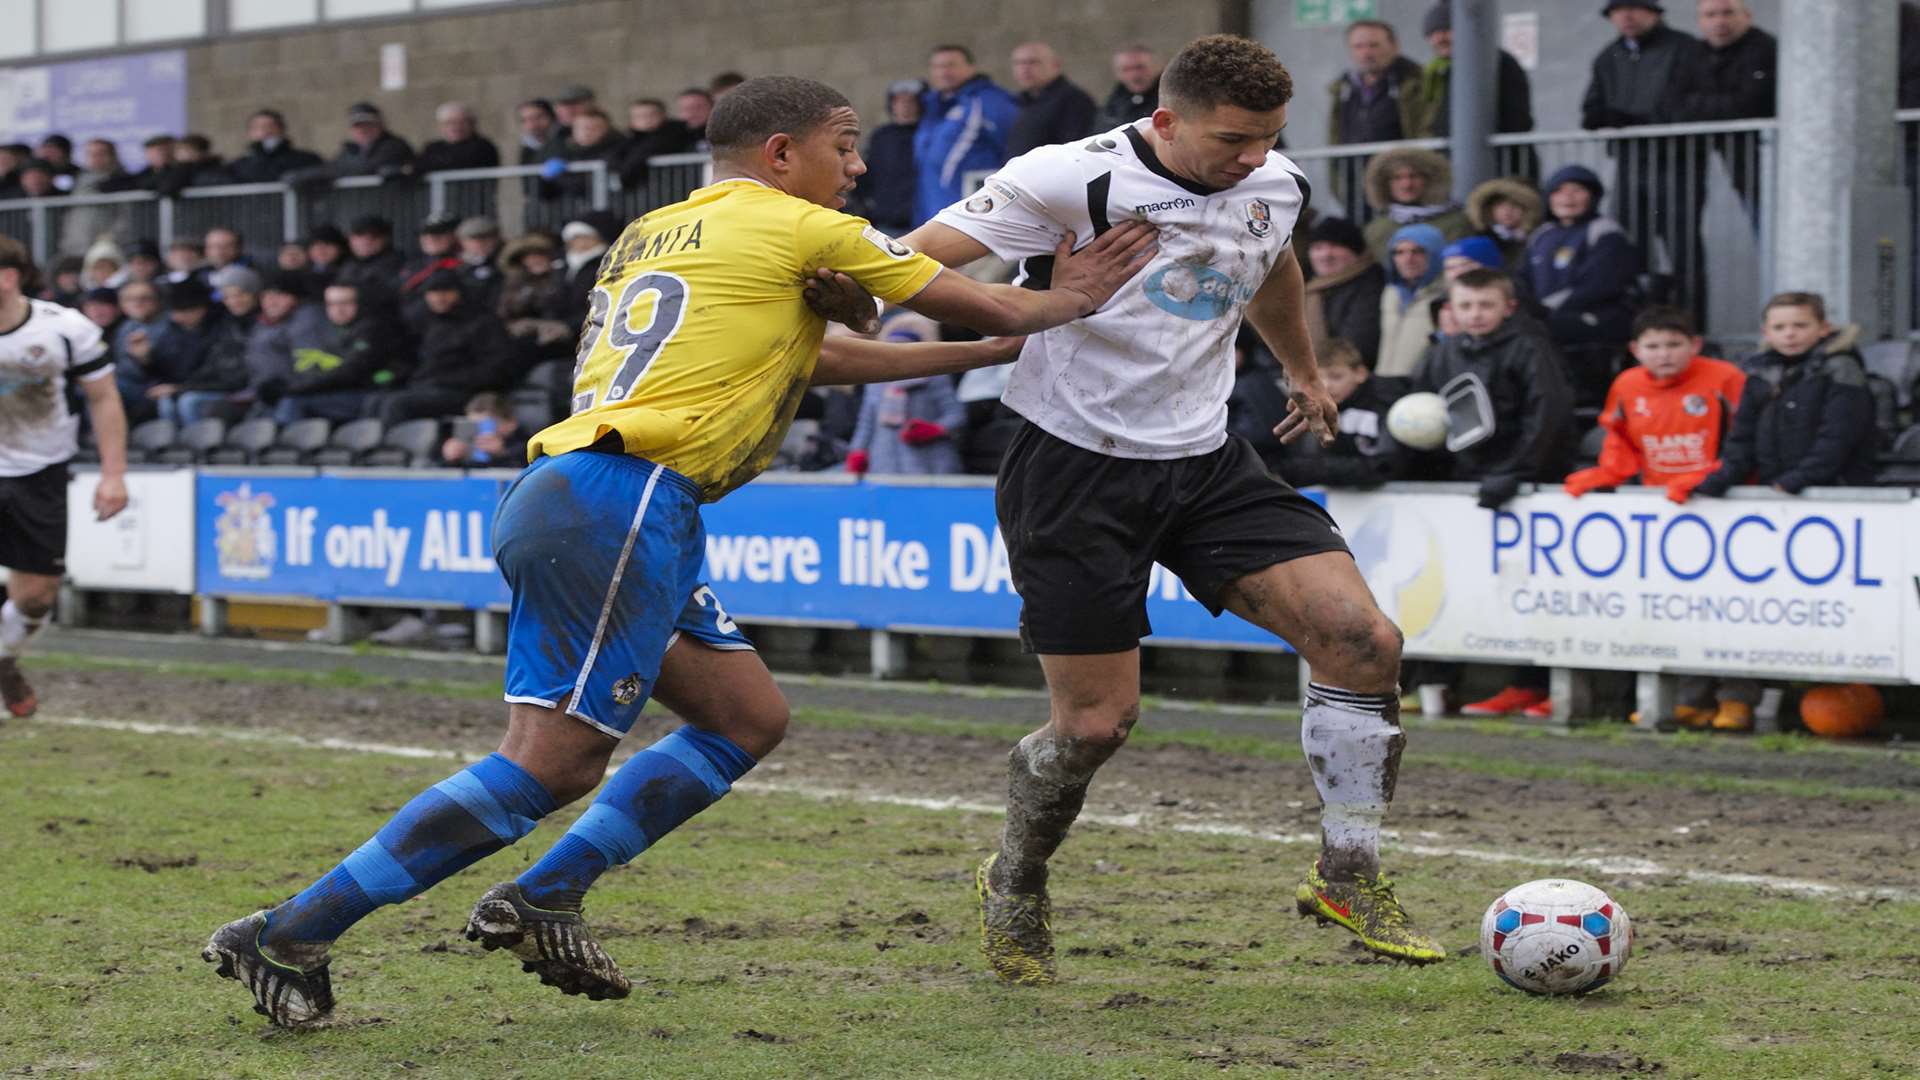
1843 711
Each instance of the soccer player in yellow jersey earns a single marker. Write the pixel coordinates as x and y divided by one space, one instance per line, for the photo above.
698 347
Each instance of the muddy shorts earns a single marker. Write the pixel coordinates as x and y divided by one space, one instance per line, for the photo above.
1083 531
603 553
33 521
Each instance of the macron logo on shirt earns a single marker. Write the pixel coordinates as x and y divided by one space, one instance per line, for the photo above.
1170 204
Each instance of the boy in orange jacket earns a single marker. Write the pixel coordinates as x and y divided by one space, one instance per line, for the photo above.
1664 419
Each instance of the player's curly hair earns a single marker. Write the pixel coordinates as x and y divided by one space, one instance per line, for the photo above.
15 256
770 105
1225 69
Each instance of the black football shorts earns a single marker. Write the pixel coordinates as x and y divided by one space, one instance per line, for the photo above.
33 521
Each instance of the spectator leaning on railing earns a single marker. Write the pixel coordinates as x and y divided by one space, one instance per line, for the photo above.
1411 187
693 106
194 165
270 156
156 153
1377 98
1052 108
36 179
57 151
1136 88
370 149
1513 95
964 126
460 145
650 135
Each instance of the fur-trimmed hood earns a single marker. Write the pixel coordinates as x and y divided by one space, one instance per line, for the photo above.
1481 199
1431 164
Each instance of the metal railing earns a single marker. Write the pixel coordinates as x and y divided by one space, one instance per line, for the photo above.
1697 199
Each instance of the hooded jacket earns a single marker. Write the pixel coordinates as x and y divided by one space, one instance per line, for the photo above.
1668 432
1532 407
960 132
1441 211
1513 245
1406 316
1582 273
1803 421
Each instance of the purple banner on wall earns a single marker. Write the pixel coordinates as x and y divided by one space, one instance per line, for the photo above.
124 99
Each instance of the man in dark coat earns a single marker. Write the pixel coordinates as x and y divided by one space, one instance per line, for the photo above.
1736 82
366 353
1377 98
1052 108
460 145
884 192
270 156
1343 297
463 351
651 134
1136 88
1513 94
370 149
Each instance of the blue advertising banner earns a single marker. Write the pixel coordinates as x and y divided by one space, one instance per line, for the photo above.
123 99
347 538
881 556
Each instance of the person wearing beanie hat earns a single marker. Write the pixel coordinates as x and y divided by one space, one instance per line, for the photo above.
1469 253
1581 268
1513 93
376 266
292 331
479 247
236 277
1343 296
464 350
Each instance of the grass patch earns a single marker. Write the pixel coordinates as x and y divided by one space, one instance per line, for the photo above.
780 936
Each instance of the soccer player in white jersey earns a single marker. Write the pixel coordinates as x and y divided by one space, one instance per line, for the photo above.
43 348
1125 461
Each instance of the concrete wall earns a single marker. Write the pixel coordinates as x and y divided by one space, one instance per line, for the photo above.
627 48
1571 32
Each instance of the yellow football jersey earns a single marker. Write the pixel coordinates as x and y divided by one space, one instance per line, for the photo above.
698 346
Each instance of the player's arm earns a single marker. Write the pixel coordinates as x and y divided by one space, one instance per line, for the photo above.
110 435
1082 282
851 361
1278 311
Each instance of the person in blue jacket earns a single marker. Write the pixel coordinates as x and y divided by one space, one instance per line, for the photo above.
1582 268
963 129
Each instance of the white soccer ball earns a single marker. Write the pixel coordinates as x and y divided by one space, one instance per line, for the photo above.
1556 936
1419 421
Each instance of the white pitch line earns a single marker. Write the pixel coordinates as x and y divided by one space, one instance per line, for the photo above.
1617 866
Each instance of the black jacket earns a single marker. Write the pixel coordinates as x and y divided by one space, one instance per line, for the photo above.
178 352
465 350
1734 83
1057 112
473 152
1123 106
368 354
262 166
1532 407
1387 117
223 362
1256 405
1362 454
207 172
1512 106
885 192
1634 85
378 280
631 156
1801 423
1350 306
388 156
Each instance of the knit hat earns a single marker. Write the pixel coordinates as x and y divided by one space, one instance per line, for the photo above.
1575 174
235 276
188 293
1338 230
1439 17
440 225
1478 248
327 234
100 295
291 282
363 112
1648 4
442 281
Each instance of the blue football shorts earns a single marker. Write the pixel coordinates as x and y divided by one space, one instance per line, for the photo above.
603 553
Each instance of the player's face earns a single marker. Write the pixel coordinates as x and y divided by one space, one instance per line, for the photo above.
9 283
1342 380
1221 146
823 165
1664 353
1791 330
1479 311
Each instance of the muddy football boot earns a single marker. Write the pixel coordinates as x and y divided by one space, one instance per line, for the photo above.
1369 909
555 945
287 995
15 691
1015 931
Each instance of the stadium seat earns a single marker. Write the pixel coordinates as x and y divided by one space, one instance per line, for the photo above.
1900 465
412 443
193 442
1897 363
297 442
148 438
349 442
244 444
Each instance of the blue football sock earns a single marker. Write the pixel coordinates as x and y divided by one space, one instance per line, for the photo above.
656 791
445 829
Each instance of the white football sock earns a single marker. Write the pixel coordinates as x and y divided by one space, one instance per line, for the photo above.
1353 743
16 629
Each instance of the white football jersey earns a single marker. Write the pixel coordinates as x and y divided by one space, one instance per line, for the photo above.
37 358
1148 375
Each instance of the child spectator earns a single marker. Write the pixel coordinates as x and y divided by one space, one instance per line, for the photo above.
498 441
1525 437
1806 417
1343 296
1582 269
1506 211
911 426
1406 305
1362 454
1664 418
